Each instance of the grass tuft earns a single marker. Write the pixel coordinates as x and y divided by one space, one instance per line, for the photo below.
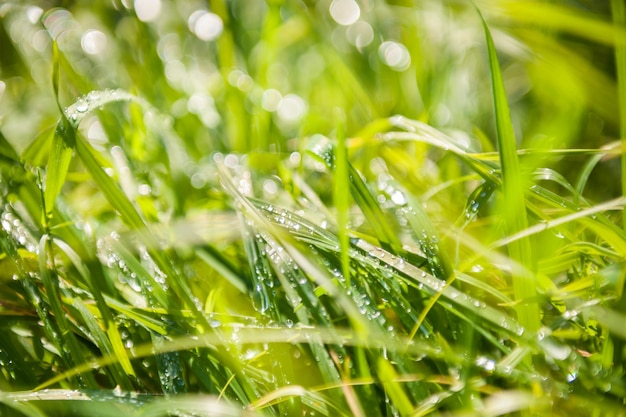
334 208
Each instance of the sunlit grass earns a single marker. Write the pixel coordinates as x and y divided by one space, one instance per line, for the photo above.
334 208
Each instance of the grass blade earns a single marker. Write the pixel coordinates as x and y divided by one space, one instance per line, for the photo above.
513 205
323 151
65 340
340 197
58 163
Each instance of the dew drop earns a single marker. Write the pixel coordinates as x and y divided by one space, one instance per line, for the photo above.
487 364
398 198
82 106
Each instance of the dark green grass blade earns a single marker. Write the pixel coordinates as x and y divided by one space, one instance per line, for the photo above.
66 341
513 206
109 340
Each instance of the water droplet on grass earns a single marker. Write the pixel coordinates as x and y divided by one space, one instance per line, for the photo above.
485 363
82 106
398 198
93 95
570 314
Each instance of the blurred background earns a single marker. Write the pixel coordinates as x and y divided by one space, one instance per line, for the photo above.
250 76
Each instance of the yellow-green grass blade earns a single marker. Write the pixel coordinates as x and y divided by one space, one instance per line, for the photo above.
248 334
513 205
341 198
389 378
557 17
58 163
109 343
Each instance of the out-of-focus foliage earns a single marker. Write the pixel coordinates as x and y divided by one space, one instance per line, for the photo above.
346 207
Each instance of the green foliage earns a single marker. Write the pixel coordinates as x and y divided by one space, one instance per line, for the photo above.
341 207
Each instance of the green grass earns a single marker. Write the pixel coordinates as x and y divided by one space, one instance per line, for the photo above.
416 213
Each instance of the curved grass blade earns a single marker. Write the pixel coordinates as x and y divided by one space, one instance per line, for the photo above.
585 173
109 343
255 334
416 131
62 144
262 276
617 242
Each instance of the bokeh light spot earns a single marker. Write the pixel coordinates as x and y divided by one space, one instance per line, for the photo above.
395 55
345 12
205 25
93 42
360 34
147 10
271 99
292 108
34 13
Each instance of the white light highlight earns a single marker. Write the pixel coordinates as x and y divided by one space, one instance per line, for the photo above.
395 55
360 34
93 42
345 12
205 25
292 108
147 10
271 99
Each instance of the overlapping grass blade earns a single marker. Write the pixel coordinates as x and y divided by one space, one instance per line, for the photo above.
112 343
364 276
64 338
321 148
